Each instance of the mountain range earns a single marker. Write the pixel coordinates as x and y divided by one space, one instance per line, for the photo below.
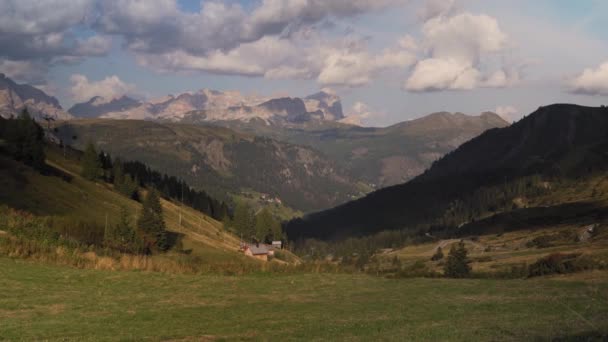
379 156
303 142
213 105
492 173
220 160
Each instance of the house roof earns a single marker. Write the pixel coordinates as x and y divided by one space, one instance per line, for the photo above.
258 250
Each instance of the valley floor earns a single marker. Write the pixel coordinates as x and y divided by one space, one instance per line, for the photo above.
51 302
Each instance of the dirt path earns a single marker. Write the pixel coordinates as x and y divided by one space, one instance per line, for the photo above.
445 243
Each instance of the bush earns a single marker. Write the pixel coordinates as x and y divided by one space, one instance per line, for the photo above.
543 241
555 263
438 255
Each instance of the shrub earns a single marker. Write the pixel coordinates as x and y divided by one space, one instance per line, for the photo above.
556 263
438 255
543 241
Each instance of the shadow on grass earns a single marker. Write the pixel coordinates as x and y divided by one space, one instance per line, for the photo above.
587 336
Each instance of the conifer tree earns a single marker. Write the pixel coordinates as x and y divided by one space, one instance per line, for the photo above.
243 221
91 166
152 224
438 254
263 225
123 236
457 263
25 140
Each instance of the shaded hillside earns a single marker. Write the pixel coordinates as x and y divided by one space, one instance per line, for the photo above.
380 156
555 144
221 160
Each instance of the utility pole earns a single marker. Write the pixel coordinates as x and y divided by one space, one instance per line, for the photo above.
181 204
106 227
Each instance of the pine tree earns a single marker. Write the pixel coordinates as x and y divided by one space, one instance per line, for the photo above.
123 236
264 224
457 263
25 140
91 166
243 220
438 254
152 224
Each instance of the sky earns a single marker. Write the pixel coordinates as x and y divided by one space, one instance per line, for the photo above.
389 60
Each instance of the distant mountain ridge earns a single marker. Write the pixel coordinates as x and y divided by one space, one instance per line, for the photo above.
15 97
208 105
379 156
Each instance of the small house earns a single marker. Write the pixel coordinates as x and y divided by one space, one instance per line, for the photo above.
258 251
277 244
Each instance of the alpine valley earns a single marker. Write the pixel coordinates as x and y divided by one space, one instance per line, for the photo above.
300 151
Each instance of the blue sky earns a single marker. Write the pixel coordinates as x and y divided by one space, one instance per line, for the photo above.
389 60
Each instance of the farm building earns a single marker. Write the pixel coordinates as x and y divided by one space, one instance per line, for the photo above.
258 251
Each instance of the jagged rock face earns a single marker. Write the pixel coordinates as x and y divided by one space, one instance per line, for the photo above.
15 97
97 106
212 105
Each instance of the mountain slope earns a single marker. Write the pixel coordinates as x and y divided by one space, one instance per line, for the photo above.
15 97
555 145
221 160
65 195
380 156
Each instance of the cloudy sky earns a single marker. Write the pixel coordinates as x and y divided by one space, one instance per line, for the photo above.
389 60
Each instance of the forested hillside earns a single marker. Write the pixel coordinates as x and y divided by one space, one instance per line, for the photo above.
499 171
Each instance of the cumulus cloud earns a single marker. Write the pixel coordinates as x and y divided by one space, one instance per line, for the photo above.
343 62
591 81
26 71
434 8
275 39
109 88
42 33
158 26
360 114
456 46
509 113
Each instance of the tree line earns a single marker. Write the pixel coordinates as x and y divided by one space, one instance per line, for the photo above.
22 138
256 227
128 176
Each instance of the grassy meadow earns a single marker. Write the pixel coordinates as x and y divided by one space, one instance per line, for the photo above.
58 303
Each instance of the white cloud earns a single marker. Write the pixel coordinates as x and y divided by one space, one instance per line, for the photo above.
26 71
109 88
435 8
94 46
439 74
591 81
509 113
345 62
456 47
360 114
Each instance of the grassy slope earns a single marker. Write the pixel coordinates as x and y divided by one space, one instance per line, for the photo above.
45 302
50 195
503 238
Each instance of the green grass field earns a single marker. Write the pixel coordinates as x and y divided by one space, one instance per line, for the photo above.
58 303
